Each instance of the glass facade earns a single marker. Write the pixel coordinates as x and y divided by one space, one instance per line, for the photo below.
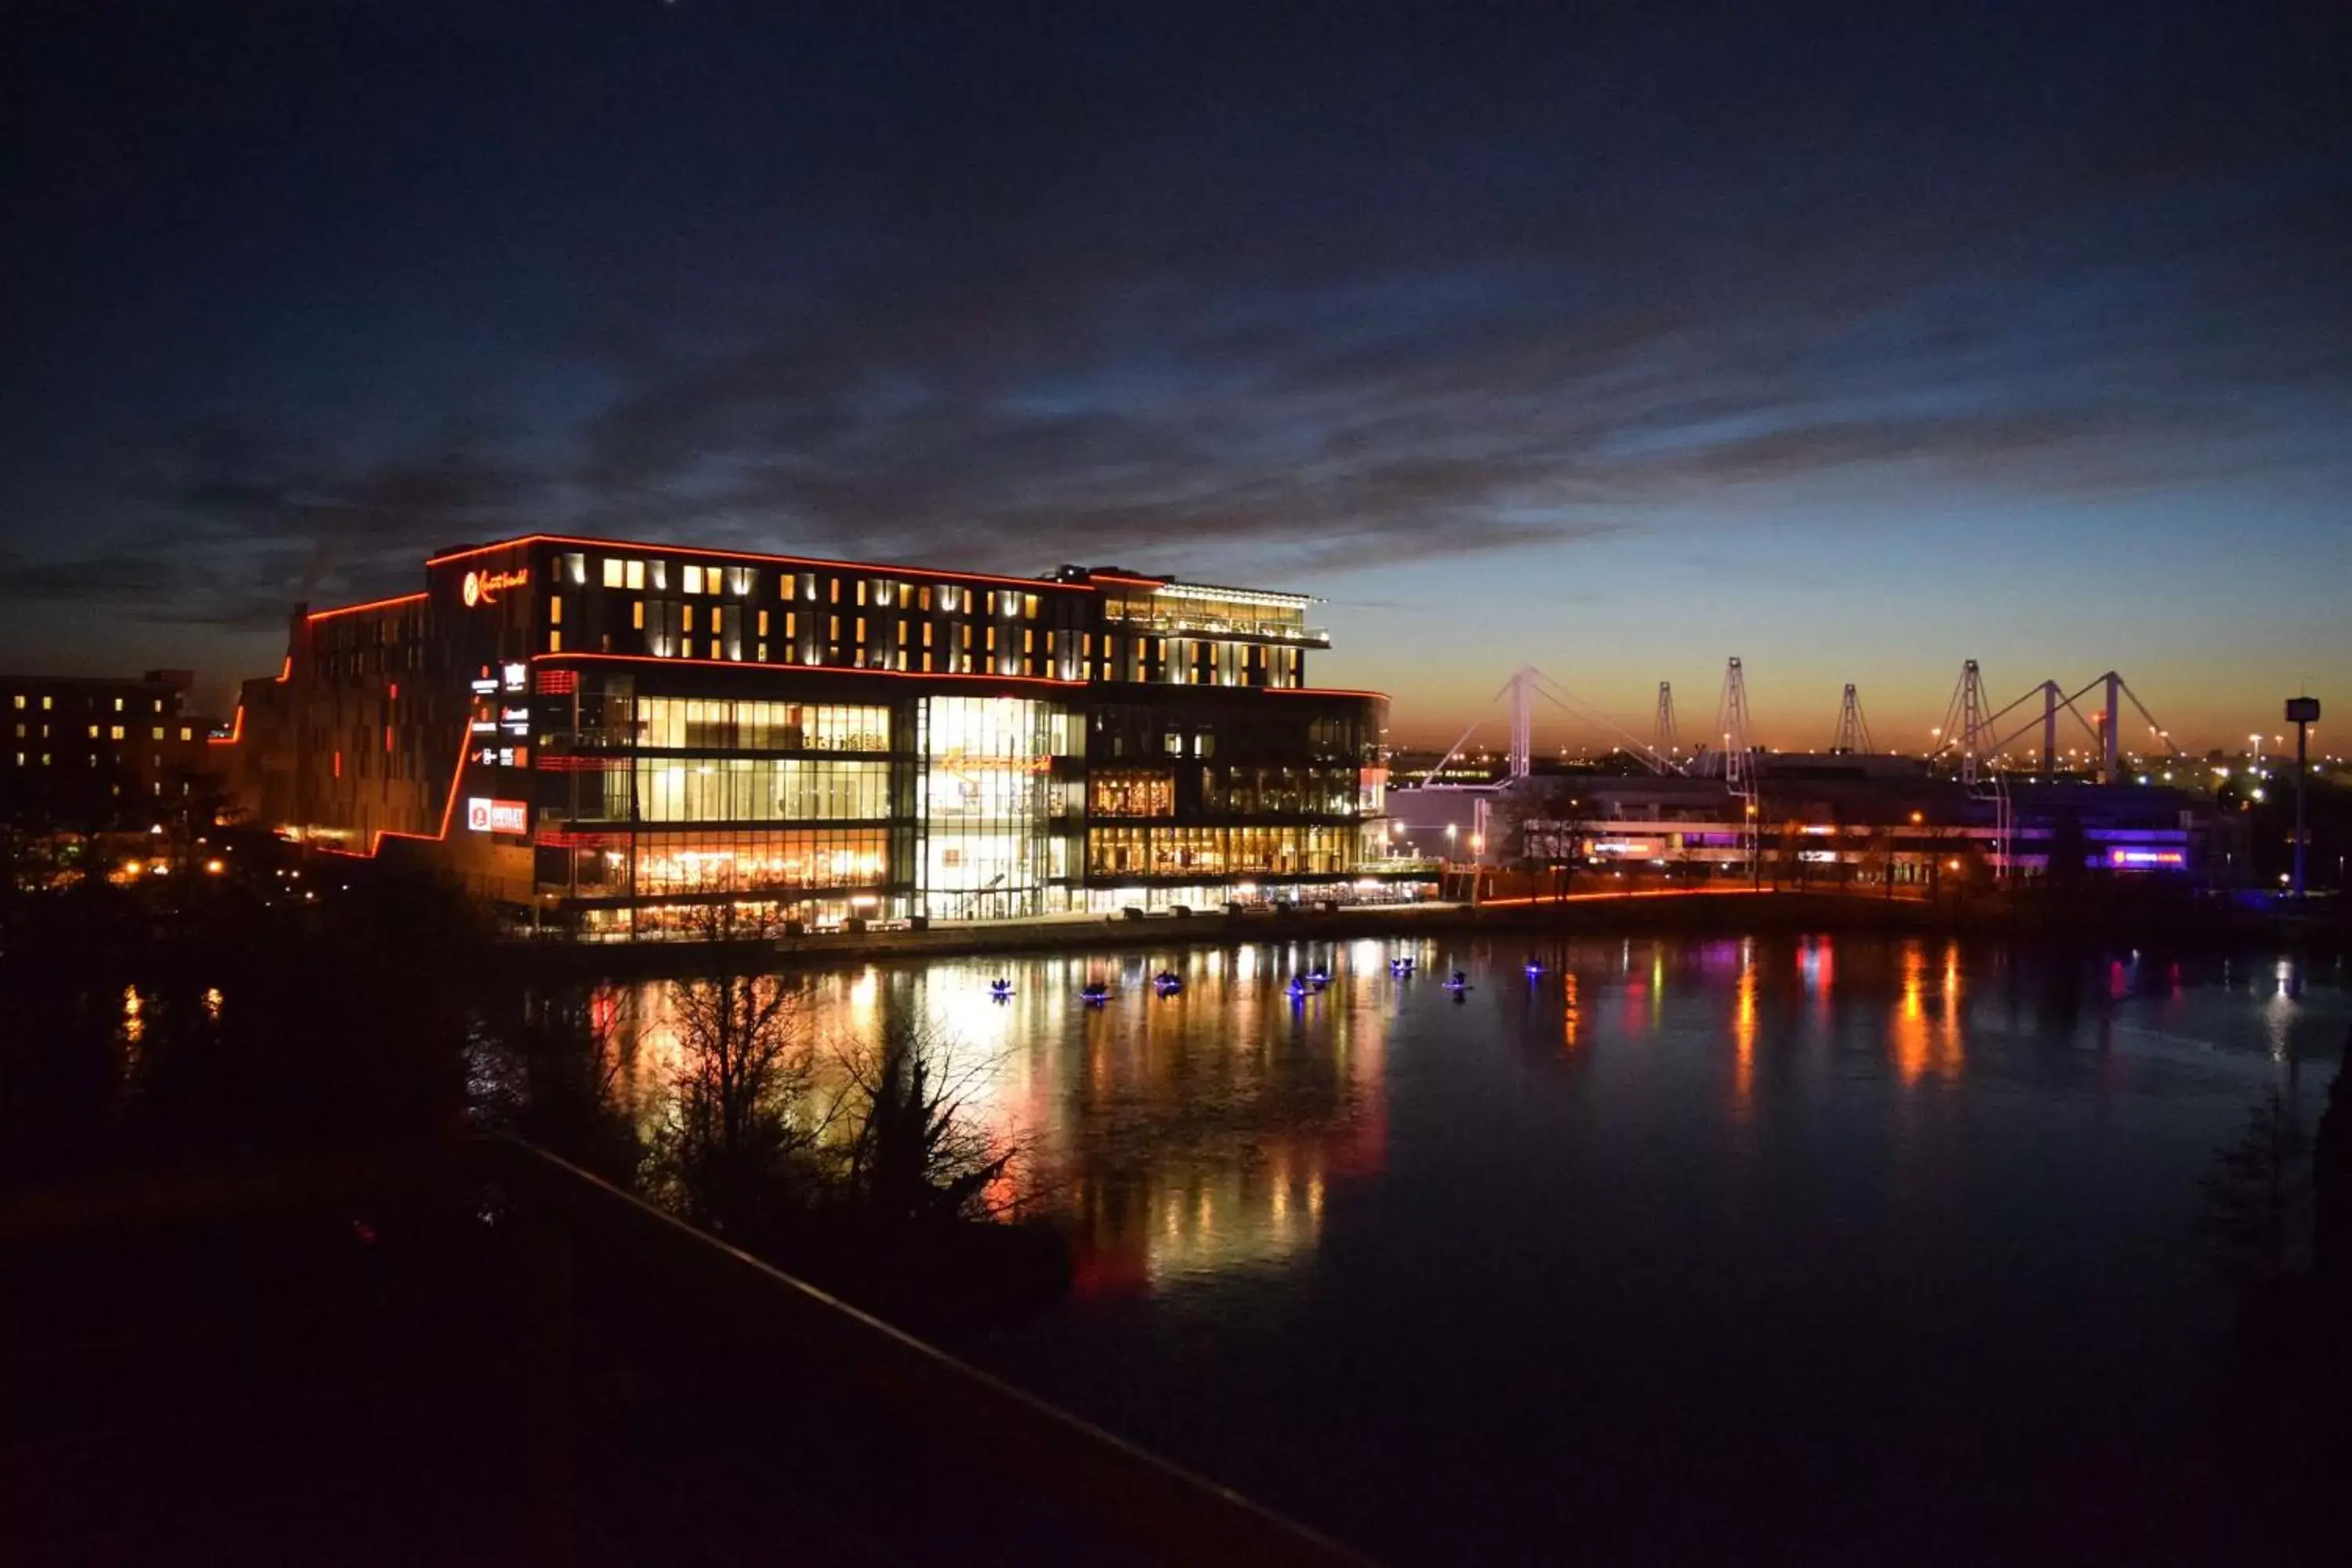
708 862
695 723
745 789
1181 851
989 801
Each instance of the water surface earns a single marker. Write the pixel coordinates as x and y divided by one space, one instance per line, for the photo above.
1838 1248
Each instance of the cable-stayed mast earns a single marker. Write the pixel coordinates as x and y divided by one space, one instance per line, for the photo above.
1664 741
1853 731
1731 723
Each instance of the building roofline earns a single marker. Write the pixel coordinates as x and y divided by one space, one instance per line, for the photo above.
370 605
649 548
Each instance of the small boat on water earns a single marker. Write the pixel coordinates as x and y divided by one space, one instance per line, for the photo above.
1299 988
1400 966
1000 990
1093 993
1318 975
1168 982
1535 968
1457 982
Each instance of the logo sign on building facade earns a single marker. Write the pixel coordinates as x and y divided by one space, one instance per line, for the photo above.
484 587
484 815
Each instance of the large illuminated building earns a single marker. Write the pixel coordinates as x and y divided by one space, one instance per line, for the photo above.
612 736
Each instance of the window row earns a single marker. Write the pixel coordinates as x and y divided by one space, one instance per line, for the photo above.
20 701
1210 851
722 862
743 789
640 575
721 724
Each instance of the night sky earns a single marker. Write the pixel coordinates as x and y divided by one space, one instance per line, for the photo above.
1616 338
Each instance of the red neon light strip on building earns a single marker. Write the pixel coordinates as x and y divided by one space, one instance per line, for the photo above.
370 605
756 555
448 809
808 668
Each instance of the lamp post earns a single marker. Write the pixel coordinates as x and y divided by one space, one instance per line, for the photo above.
2302 712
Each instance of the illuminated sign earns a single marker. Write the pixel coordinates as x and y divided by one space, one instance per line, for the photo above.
515 674
487 815
485 687
484 587
1625 847
1818 856
958 760
2145 858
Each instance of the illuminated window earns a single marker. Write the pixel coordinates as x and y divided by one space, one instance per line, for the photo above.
186 733
739 580
927 660
764 623
657 573
555 609
613 572
689 622
555 640
45 704
159 733
694 579
763 655
927 634
922 601
159 705
992 601
791 624
635 575
1028 640
859 634
902 659
637 615
992 637
94 732
117 705
833 585
861 590
717 617
834 632
1029 606
714 648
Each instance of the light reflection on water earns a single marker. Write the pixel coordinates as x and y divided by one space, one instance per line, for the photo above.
1186 1136
1452 1274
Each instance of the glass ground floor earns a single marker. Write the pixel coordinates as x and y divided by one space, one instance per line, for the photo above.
757 912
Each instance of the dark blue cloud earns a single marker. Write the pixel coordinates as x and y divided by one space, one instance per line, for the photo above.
306 292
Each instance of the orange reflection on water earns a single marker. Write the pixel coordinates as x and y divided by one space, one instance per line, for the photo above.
1924 1044
1743 1033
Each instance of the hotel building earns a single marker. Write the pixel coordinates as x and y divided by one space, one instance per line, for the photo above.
610 735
